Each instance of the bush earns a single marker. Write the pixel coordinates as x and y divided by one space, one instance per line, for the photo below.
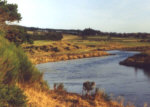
47 36
11 96
59 87
18 35
88 86
15 66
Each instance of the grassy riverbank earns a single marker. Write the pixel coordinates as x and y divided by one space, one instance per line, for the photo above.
74 47
53 98
141 60
60 51
17 71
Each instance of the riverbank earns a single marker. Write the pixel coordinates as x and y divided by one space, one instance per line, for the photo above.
52 98
67 51
74 47
61 51
68 99
50 53
17 70
53 58
141 60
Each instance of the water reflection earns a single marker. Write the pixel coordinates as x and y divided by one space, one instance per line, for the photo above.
136 71
145 71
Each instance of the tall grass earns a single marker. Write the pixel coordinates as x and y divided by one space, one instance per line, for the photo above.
15 66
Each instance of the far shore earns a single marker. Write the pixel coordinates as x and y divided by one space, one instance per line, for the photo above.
63 57
56 58
74 47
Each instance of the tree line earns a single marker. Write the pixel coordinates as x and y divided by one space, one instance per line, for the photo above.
91 32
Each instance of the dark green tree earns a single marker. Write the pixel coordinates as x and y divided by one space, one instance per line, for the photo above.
89 32
18 35
8 13
88 86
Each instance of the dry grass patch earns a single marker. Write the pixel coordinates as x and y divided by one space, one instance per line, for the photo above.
38 98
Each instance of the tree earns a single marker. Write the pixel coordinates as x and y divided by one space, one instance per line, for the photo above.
88 32
8 13
88 86
18 35
54 36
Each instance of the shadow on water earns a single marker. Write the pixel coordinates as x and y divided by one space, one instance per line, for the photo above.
145 71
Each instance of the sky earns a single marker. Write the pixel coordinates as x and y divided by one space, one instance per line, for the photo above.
105 15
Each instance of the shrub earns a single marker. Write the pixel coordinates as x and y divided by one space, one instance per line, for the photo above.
59 87
88 32
97 94
47 36
18 35
15 66
11 96
88 86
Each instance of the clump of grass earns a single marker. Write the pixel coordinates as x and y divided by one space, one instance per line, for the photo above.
99 93
59 87
38 98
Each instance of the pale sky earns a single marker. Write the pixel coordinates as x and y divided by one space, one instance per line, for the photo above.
104 15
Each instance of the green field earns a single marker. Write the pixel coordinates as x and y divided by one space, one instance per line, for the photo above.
94 40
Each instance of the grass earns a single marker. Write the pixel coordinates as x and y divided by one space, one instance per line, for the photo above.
95 40
37 98
74 44
103 41
135 44
141 60
39 43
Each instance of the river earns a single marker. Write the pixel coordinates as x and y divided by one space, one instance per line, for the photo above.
131 83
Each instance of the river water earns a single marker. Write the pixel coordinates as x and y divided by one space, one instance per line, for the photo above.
131 83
